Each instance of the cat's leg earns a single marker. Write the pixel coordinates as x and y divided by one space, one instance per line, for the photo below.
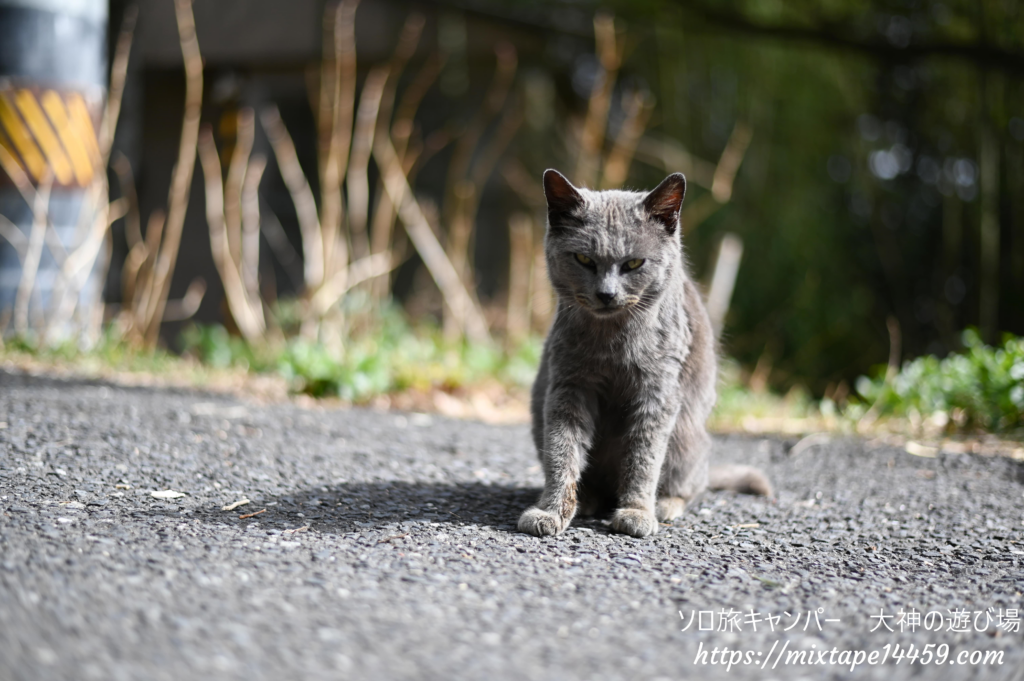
568 434
588 504
646 444
684 474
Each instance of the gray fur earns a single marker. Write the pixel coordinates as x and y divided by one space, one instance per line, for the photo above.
627 378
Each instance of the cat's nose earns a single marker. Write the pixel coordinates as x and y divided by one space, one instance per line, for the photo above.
605 297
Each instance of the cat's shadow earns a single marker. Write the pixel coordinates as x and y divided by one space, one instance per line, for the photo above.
360 506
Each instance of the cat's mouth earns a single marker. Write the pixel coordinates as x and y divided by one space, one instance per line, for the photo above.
602 309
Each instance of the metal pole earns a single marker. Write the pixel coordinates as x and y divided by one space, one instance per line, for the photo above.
53 71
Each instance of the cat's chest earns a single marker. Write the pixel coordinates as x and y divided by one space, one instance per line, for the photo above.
627 350
619 364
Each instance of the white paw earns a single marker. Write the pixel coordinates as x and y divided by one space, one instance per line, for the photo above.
634 522
540 523
669 508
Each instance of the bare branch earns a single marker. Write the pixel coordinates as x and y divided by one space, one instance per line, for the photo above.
494 101
334 159
609 52
448 281
520 232
14 171
465 179
79 264
729 163
405 114
468 193
345 280
246 131
383 212
697 211
15 237
133 220
250 262
408 40
616 168
723 280
401 132
118 76
357 180
181 180
30 263
519 180
147 253
302 196
234 289
672 157
280 246
180 310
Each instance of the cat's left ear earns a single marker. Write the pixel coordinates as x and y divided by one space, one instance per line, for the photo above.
665 201
564 201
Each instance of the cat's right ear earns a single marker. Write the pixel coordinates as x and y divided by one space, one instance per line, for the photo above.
564 201
665 201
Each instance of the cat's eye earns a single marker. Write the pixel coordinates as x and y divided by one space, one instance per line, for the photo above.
634 263
584 259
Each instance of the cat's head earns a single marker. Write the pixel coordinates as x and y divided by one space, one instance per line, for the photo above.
609 250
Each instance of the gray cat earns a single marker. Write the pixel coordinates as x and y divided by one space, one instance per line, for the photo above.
627 379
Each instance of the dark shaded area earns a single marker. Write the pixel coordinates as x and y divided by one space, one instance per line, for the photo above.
352 507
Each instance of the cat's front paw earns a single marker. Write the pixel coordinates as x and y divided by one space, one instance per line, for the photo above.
669 508
540 523
634 522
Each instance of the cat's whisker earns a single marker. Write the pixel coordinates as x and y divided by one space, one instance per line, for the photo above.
641 306
582 300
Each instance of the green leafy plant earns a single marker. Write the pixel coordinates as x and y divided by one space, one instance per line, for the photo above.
383 355
982 387
214 346
111 351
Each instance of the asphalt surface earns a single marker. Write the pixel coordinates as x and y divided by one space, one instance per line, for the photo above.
388 550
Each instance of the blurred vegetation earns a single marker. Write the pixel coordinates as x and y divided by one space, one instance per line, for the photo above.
884 178
888 140
981 388
385 355
110 352
741 408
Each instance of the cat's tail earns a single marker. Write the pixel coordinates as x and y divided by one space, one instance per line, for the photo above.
745 479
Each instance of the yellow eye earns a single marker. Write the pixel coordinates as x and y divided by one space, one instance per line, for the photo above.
633 264
583 259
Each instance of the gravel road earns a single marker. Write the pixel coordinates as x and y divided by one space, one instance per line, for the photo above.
383 546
